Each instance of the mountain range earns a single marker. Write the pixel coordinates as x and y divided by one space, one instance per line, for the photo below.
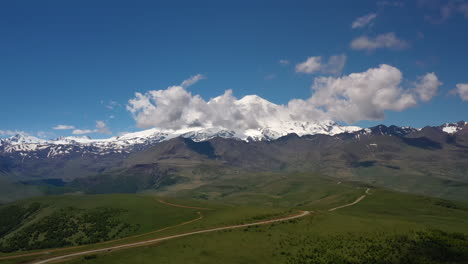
432 160
29 146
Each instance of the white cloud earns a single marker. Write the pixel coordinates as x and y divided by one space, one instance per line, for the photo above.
387 40
82 131
12 132
363 21
63 127
358 96
462 91
427 86
101 128
192 80
335 64
311 65
176 108
362 96
314 64
284 62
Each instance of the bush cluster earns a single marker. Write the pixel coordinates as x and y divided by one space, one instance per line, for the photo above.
66 227
12 216
421 247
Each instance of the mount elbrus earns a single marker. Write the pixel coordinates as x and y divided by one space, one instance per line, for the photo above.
431 160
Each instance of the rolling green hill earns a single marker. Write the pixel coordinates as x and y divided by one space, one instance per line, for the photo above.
70 220
383 227
386 227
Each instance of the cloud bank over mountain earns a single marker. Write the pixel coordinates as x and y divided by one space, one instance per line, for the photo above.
101 128
350 98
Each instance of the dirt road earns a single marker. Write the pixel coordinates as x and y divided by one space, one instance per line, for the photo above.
152 241
351 204
49 251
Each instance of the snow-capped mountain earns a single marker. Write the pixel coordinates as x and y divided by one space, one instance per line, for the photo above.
30 146
452 128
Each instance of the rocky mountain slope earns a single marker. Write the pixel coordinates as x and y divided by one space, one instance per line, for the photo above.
32 147
431 160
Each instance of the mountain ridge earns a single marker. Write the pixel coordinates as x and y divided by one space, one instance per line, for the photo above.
428 160
25 144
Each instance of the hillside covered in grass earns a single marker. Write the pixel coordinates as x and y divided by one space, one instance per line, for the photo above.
383 223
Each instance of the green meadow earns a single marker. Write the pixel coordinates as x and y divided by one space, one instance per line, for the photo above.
384 227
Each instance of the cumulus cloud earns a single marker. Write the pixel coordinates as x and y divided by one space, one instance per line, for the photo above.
363 21
427 86
462 91
101 128
314 64
362 96
358 96
284 62
192 80
367 95
311 65
63 127
176 108
387 40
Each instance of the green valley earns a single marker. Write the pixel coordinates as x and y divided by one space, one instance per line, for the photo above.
383 223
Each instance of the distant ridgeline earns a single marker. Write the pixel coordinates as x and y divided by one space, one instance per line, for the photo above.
430 161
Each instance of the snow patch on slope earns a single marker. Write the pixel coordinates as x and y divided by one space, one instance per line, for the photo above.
130 141
452 128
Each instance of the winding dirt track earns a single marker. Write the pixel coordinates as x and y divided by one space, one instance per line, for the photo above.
156 240
152 241
183 206
49 251
351 204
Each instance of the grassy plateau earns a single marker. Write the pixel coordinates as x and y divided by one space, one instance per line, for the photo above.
383 227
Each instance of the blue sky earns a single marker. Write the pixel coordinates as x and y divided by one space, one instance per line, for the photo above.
77 62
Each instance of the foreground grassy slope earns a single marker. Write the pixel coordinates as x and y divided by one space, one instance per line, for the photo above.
383 224
69 220
152 218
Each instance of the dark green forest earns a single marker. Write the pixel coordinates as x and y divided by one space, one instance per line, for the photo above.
65 227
